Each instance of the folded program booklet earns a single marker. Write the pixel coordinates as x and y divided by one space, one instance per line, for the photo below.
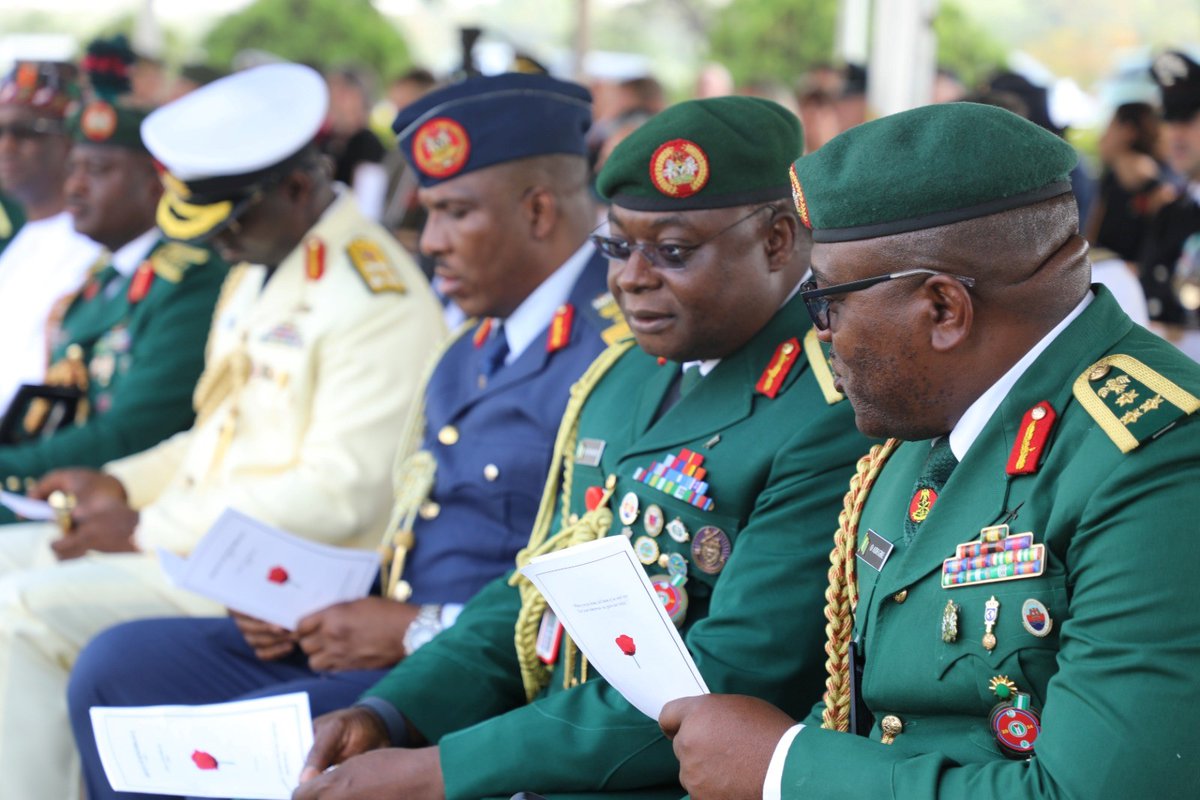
601 595
251 748
270 574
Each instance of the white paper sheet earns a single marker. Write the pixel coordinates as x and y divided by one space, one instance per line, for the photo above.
604 600
30 509
269 574
252 749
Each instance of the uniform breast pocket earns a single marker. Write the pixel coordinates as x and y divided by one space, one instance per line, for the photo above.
1027 617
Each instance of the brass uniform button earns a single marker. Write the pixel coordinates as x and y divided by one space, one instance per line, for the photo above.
892 727
491 472
787 348
448 435
401 592
403 539
900 596
571 520
1037 413
429 510
13 483
1098 372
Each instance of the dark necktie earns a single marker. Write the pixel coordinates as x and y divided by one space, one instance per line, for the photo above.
938 465
492 355
691 377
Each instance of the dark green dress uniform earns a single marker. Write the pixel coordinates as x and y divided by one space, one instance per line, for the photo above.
728 496
1034 632
12 217
1105 640
775 469
141 341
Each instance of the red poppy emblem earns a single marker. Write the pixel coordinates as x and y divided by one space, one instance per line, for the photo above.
278 575
628 647
592 497
203 760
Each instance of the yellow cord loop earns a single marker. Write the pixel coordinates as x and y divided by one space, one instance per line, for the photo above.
592 525
841 598
413 473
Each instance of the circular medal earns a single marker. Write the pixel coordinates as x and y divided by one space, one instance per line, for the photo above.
627 512
678 531
1035 618
652 519
1016 729
710 549
674 598
677 565
646 549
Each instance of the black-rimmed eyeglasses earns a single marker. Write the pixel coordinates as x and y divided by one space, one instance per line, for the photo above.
663 255
817 300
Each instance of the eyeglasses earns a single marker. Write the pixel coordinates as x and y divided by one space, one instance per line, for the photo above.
817 300
30 129
662 255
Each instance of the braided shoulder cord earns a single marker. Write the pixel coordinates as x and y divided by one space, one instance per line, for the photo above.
841 598
592 525
412 473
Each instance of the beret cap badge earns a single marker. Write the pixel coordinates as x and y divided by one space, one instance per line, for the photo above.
441 147
679 168
98 121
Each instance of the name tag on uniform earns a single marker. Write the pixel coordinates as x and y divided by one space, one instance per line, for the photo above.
588 452
874 550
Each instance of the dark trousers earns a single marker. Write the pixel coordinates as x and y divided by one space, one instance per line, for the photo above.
186 661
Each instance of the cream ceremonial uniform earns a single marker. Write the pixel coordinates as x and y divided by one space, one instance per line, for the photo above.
307 384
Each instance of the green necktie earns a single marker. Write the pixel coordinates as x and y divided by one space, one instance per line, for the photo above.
691 376
938 465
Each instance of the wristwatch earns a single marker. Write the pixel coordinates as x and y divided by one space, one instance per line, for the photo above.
426 625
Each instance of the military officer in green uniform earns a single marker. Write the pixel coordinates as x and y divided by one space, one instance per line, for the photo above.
131 340
1014 576
676 441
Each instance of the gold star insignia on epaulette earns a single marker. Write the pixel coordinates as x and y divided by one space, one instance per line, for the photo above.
1134 403
374 267
173 259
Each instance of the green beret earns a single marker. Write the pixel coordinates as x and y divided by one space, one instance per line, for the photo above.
927 167
101 122
714 153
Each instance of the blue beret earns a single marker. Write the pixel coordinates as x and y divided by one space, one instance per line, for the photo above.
480 122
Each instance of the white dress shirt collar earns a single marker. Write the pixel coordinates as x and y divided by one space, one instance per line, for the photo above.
532 317
130 255
973 420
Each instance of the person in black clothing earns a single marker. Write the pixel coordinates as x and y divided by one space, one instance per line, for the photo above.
1170 260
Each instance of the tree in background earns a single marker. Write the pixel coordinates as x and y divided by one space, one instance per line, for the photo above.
781 39
322 33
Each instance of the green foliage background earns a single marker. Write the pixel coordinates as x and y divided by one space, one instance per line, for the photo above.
323 33
781 39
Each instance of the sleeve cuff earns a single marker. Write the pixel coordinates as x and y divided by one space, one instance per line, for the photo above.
392 719
773 785
450 612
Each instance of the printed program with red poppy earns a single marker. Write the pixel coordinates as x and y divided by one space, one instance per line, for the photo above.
604 599
252 749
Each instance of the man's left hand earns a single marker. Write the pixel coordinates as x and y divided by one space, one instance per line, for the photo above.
391 772
360 634
107 531
724 743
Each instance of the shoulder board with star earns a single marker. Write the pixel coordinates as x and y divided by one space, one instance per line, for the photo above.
172 259
1131 402
818 360
374 266
608 318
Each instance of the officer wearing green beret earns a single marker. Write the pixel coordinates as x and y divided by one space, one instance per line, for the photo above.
677 441
1011 603
129 344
